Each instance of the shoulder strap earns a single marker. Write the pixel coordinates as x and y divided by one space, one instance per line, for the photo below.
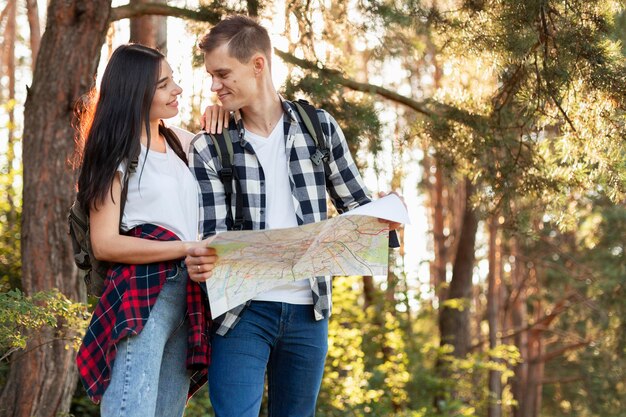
129 171
224 147
312 122
309 116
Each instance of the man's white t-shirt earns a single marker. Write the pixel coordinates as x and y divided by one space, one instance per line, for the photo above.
279 208
163 192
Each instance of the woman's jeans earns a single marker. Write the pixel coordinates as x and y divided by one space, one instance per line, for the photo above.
149 375
283 338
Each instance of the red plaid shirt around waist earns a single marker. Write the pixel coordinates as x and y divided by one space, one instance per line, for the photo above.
124 309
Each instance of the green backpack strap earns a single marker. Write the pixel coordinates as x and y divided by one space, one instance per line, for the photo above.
312 122
224 147
132 167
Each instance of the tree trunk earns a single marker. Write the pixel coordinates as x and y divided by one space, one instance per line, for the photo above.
536 350
437 185
439 237
396 185
253 8
8 70
41 381
369 291
493 312
454 323
149 30
32 9
4 44
519 320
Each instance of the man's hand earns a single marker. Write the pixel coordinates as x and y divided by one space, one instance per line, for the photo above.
200 262
214 119
392 225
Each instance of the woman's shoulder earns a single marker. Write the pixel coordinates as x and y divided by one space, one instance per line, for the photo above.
184 136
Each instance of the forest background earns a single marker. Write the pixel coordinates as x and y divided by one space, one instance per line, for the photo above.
508 119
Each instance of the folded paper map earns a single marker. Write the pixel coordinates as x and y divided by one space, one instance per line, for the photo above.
252 262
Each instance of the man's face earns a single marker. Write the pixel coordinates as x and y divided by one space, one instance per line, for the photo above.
233 82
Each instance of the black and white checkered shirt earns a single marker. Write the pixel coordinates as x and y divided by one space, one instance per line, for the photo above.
308 187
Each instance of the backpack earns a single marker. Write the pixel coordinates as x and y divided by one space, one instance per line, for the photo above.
93 271
224 147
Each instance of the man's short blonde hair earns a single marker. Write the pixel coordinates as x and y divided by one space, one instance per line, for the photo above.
243 35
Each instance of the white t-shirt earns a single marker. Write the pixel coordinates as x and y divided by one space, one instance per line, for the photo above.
163 192
279 208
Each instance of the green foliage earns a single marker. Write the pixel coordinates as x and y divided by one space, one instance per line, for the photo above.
10 221
582 279
355 113
368 368
564 83
345 389
531 96
382 363
465 391
528 100
602 364
82 406
619 33
20 313
10 244
200 405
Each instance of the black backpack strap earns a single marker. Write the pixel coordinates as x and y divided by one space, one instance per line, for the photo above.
224 147
309 116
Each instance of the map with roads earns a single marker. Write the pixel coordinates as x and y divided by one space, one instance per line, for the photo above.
251 262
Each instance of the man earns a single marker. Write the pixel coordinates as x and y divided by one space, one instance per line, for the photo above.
283 331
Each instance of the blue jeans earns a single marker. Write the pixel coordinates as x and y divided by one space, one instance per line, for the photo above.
149 376
284 339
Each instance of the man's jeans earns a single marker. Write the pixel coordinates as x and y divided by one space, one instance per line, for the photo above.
149 375
283 338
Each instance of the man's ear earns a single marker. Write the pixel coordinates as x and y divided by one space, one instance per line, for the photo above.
259 63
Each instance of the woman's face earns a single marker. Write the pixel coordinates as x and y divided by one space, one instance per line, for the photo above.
165 103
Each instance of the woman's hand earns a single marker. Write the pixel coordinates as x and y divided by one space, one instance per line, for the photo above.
200 260
214 119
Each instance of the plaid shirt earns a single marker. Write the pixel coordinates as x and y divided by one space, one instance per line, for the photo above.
308 187
131 292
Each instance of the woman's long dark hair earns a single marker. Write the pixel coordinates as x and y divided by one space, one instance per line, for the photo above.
110 130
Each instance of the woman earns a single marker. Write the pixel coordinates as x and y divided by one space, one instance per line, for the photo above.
150 317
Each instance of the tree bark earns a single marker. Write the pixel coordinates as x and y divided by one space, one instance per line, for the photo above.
369 291
32 9
396 185
253 8
8 69
149 30
454 323
519 320
493 313
439 237
41 381
536 349
128 11
437 185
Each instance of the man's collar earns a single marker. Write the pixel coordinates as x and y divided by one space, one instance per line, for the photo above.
287 108
241 132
